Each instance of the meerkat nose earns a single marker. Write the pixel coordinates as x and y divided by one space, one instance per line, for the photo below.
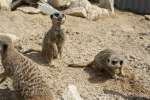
114 62
121 62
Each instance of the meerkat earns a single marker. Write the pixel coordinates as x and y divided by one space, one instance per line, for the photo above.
108 60
54 39
17 3
28 81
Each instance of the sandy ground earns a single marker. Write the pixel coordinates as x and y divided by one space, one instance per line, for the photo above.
126 31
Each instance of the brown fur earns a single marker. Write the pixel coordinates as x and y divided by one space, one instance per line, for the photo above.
101 62
28 80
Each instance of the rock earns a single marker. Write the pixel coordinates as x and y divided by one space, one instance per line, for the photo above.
147 17
80 3
94 12
77 11
83 8
108 4
5 4
60 3
47 9
71 93
29 10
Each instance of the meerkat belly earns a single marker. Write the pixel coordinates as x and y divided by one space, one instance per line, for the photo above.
29 81
59 36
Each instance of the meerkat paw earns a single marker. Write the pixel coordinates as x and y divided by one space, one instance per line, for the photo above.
52 64
116 77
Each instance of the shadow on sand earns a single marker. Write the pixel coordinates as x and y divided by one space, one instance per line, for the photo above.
7 94
131 97
97 76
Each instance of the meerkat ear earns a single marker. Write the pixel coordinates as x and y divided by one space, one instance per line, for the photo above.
5 46
51 16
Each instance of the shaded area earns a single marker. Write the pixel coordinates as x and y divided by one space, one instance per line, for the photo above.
131 97
97 76
7 94
36 57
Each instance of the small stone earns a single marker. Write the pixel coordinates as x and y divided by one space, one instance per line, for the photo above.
47 9
77 11
29 10
147 17
71 93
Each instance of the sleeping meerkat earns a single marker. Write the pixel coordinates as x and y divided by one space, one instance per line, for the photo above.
28 80
108 60
17 3
54 39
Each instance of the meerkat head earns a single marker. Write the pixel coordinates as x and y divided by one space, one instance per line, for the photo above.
115 61
5 42
58 18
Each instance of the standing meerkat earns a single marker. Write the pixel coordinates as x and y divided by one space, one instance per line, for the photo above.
108 60
28 80
54 39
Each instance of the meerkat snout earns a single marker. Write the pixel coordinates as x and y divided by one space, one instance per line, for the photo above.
115 62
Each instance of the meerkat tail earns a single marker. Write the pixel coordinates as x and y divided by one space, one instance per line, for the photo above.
31 50
76 65
80 65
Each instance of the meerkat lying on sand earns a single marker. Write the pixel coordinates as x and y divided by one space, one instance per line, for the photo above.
108 60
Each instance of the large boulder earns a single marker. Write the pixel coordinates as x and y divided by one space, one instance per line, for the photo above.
59 3
83 8
108 4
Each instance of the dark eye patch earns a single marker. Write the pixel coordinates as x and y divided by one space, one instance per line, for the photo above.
108 60
121 62
56 14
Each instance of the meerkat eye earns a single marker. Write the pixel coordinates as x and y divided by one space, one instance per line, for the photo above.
114 62
108 60
121 62
63 15
56 14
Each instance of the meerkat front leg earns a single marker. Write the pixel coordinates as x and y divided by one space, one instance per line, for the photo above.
60 49
53 55
55 51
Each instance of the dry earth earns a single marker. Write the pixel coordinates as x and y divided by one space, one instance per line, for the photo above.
125 31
